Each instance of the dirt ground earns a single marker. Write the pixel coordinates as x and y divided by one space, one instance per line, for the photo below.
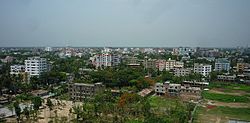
213 118
233 92
60 111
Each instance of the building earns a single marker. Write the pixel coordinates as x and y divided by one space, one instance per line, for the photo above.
7 59
167 89
34 66
226 77
201 85
149 63
171 64
160 89
132 61
17 69
190 90
160 64
81 91
242 66
202 69
105 60
182 71
48 49
179 64
222 64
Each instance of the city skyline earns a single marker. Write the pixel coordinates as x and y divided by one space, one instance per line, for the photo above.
129 23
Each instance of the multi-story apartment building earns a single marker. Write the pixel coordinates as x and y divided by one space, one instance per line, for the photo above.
149 63
160 64
182 71
222 64
105 60
202 69
179 64
34 66
17 69
172 89
81 91
171 64
242 66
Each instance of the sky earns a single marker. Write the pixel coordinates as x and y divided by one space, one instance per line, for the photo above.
125 23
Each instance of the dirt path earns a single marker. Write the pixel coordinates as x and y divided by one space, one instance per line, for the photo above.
218 120
221 91
232 105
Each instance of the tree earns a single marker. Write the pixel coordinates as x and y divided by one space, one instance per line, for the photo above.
78 111
49 104
17 110
37 102
26 112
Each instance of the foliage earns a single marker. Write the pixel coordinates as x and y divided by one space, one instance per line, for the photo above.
37 102
17 110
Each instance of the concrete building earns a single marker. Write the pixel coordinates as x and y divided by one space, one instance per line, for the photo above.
179 64
160 64
190 90
17 69
149 63
201 85
226 77
81 91
7 59
34 66
160 89
167 89
171 64
202 69
105 60
132 61
182 71
48 49
242 66
222 64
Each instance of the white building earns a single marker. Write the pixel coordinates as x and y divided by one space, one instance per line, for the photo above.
34 66
17 69
182 71
171 64
202 69
105 60
48 49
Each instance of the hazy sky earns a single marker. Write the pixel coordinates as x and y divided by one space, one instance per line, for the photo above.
166 23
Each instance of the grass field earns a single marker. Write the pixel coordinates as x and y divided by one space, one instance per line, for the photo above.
229 86
221 114
156 101
225 97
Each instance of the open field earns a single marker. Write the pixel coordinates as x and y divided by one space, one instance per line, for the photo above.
220 114
224 101
230 87
225 97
